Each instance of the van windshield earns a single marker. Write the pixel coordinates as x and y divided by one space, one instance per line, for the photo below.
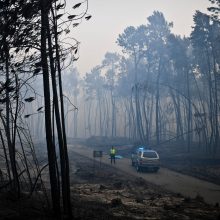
150 154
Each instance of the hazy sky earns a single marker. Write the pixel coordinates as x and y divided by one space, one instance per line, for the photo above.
111 17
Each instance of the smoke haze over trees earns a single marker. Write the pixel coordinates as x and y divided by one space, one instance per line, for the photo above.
162 87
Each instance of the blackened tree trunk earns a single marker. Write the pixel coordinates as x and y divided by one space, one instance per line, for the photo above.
54 179
8 127
62 129
157 105
189 113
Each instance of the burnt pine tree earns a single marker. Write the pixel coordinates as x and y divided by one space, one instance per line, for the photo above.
51 51
15 31
54 179
133 42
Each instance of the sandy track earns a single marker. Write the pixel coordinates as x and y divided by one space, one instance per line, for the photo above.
167 179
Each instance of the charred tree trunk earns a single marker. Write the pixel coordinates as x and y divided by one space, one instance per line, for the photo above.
8 127
157 105
189 113
66 191
54 179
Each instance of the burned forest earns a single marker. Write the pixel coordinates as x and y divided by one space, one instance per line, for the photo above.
126 127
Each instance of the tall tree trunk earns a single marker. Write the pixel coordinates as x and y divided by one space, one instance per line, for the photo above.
62 148
146 120
189 115
54 179
157 104
216 143
8 127
139 126
5 155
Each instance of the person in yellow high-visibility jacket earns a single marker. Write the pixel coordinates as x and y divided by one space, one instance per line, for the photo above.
112 154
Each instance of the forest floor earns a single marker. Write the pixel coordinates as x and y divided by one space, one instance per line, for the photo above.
99 191
103 192
200 165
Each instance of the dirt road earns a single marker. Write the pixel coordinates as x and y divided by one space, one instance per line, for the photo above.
169 180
